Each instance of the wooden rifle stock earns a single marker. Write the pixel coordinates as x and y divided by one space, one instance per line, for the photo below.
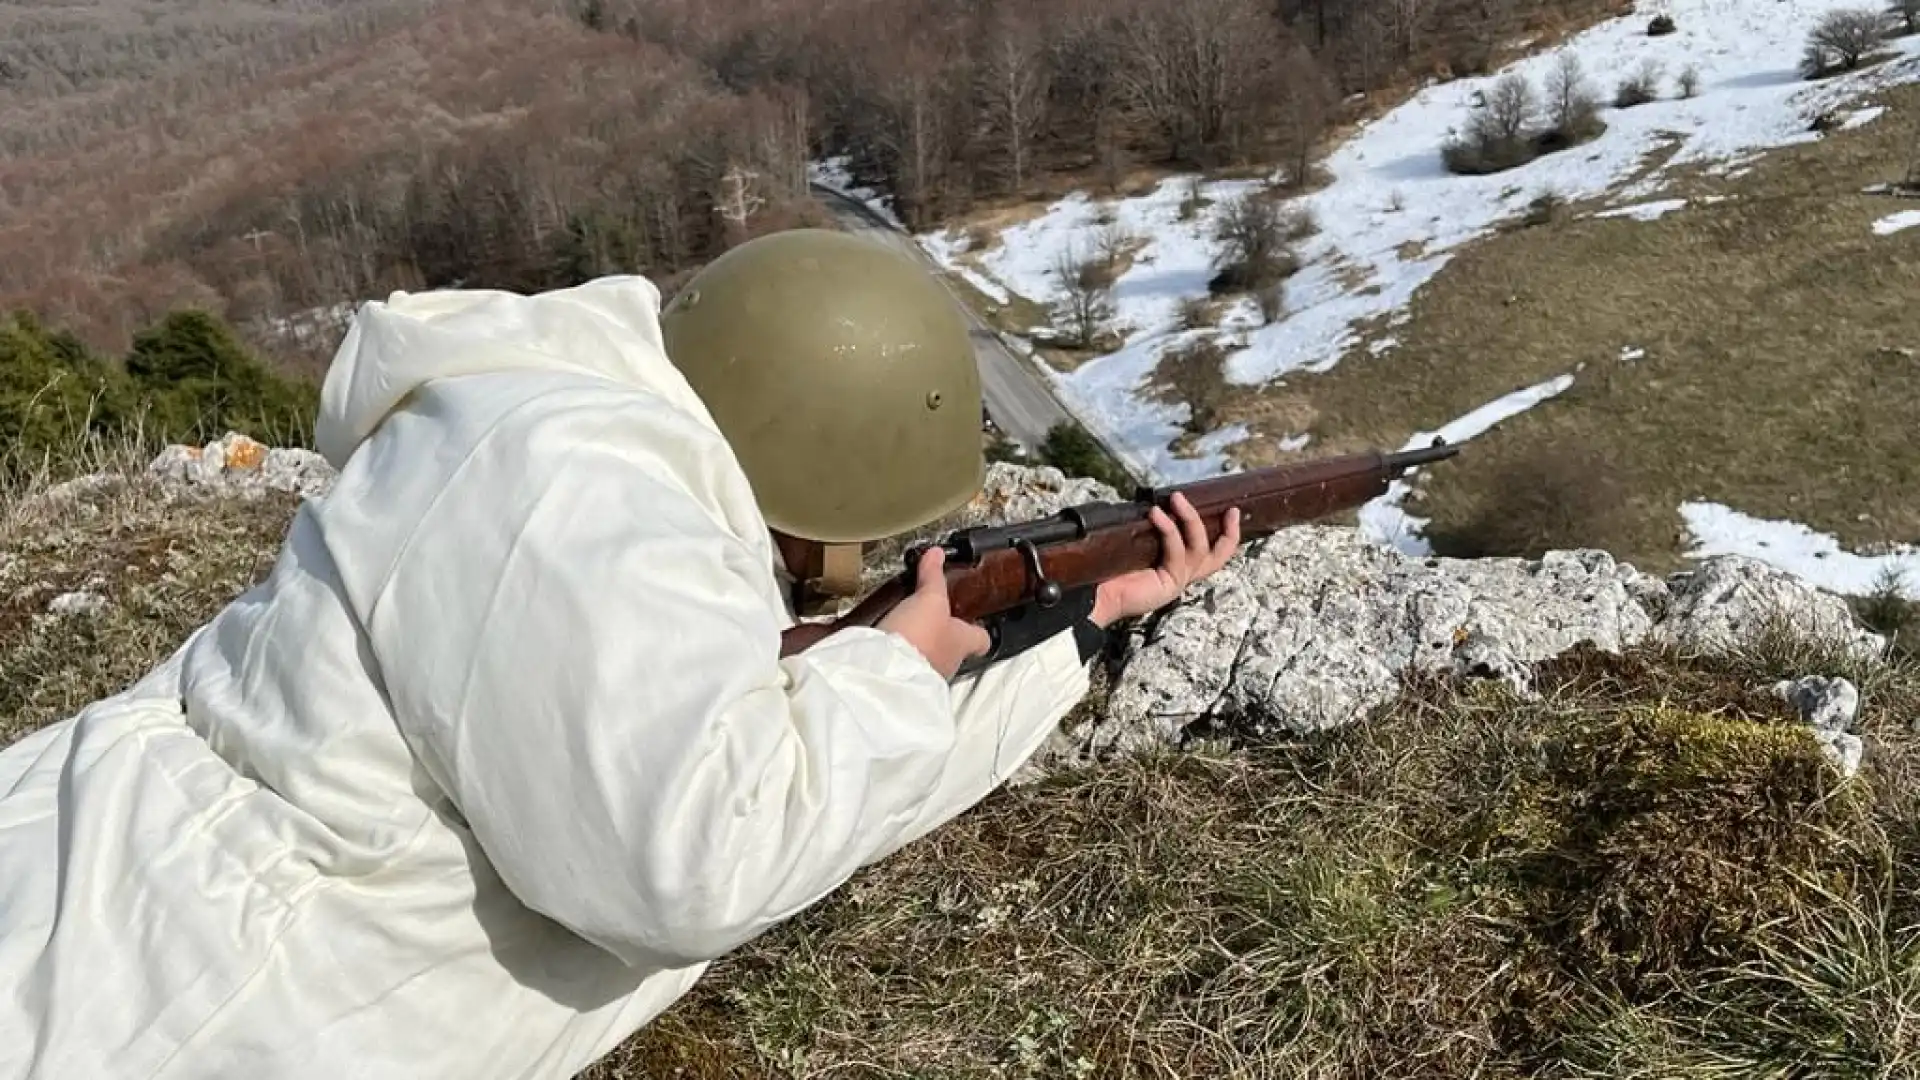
992 570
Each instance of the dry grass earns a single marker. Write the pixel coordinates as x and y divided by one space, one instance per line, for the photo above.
1769 382
161 565
1650 871
1647 871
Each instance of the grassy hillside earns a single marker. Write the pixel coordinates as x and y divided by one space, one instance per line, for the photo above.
1778 374
1649 871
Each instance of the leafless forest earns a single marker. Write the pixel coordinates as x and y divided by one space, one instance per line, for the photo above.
260 158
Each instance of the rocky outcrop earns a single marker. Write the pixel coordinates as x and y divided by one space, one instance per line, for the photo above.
237 465
234 466
1314 627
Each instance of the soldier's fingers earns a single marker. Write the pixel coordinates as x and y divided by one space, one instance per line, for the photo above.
1173 553
1195 529
1229 540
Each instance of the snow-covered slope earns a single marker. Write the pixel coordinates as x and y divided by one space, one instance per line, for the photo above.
1393 216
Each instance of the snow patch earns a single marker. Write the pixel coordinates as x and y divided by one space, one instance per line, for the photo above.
1383 522
1893 223
1862 117
1814 557
946 249
836 176
1392 215
1644 211
1214 444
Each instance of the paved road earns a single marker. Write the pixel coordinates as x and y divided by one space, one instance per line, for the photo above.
1019 402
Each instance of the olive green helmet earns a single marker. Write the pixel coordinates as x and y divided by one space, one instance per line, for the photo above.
843 375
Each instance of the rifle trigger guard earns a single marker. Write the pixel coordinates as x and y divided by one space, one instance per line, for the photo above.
1046 592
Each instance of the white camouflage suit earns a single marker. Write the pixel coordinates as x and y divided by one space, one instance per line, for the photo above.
497 760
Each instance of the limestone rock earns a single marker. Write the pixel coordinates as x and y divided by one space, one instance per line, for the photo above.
1312 629
237 465
1829 706
82 603
1012 493
1731 599
1826 703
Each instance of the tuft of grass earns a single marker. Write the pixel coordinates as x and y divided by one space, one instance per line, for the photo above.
1887 611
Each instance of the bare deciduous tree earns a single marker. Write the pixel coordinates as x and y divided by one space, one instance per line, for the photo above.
1085 287
1571 108
1841 39
1013 82
1908 12
1306 109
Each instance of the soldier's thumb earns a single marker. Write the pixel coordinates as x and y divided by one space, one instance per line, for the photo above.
933 578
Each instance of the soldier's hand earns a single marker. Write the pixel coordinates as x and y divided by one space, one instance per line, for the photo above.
1186 558
926 619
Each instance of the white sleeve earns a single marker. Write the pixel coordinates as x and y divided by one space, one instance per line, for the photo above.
593 676
1003 714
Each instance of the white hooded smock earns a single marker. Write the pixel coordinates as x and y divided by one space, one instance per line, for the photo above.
497 759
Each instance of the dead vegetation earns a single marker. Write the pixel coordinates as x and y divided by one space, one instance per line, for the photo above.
157 565
1648 872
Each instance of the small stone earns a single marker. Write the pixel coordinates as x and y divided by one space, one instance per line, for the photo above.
81 603
1829 704
1844 749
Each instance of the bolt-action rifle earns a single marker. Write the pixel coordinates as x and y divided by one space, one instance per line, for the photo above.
1028 581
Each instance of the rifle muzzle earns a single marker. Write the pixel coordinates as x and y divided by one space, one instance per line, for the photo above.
1412 459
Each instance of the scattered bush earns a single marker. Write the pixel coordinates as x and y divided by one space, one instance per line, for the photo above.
1071 450
1887 611
1192 200
1689 81
1272 301
1255 233
1571 108
1193 373
1640 87
1544 208
1111 244
187 380
1196 313
1661 26
1085 283
1840 40
1500 134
